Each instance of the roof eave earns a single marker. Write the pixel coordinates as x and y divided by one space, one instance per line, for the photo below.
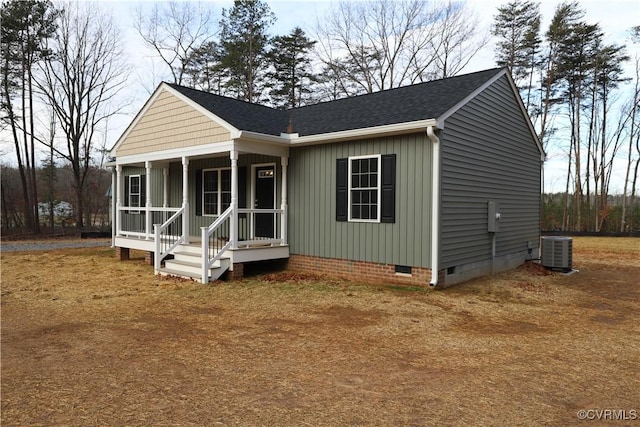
464 101
374 131
263 137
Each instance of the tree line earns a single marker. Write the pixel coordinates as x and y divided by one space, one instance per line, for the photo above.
56 193
360 47
569 78
63 72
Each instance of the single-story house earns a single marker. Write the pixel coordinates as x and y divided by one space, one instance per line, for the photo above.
61 210
433 183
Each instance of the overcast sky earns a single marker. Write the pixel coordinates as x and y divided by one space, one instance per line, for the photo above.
615 17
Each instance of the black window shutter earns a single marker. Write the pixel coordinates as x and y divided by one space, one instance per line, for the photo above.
199 192
143 191
342 189
388 208
126 191
242 187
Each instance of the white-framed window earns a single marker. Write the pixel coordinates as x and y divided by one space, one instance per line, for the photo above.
135 192
364 188
216 191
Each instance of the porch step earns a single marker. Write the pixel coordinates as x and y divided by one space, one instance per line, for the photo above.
189 249
192 270
187 262
187 256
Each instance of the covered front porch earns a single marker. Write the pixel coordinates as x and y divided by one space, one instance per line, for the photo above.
201 213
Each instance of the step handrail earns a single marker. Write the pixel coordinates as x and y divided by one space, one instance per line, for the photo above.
165 243
207 233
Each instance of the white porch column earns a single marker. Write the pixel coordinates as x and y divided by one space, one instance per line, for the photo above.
118 199
165 187
185 199
283 203
148 203
233 154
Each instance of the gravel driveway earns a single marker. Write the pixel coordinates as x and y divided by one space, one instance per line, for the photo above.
48 245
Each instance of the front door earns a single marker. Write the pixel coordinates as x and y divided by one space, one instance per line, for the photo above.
264 191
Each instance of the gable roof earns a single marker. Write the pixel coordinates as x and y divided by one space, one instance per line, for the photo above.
395 110
240 114
422 101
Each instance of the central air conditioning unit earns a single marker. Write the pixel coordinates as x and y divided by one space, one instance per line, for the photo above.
557 253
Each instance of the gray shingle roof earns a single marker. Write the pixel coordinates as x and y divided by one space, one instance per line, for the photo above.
240 114
404 104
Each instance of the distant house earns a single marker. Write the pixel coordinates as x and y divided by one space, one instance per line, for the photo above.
434 183
62 210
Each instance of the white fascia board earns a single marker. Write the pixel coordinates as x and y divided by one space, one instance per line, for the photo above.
263 137
258 145
525 113
229 127
370 132
177 153
163 86
441 120
469 97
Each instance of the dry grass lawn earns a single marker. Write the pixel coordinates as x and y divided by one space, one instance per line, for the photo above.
88 340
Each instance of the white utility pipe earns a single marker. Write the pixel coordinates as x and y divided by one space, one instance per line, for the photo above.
435 206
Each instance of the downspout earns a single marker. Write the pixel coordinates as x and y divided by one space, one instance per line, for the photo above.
435 206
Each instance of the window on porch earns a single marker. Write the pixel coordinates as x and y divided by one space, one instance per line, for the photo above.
216 191
135 192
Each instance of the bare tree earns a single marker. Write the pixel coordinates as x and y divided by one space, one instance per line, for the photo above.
457 40
376 45
634 140
174 30
80 82
383 44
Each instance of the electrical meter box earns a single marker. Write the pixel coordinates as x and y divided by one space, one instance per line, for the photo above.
493 217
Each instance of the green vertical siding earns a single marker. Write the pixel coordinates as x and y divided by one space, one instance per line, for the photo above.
313 229
488 153
156 177
136 222
175 184
195 222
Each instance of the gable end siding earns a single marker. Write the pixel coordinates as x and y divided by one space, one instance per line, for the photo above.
313 228
170 123
488 153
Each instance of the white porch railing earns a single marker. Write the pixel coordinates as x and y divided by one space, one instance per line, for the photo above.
256 228
261 227
168 236
215 241
137 222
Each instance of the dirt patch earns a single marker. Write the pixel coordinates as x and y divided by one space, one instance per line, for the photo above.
94 341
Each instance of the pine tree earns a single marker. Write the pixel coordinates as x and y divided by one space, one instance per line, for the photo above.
26 25
204 70
244 43
602 147
292 75
517 25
